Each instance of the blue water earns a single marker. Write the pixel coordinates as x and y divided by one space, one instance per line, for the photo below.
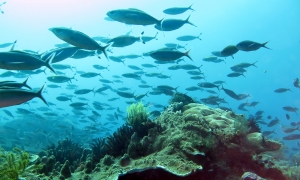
221 23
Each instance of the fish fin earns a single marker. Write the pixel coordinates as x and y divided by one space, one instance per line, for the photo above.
254 63
190 7
187 21
49 61
264 45
39 95
13 45
187 54
198 37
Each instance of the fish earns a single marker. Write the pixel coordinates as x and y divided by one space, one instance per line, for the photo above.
188 37
291 137
208 85
282 90
134 67
248 45
230 93
169 55
99 67
244 65
62 66
11 97
148 38
289 129
4 45
235 74
190 67
90 75
105 81
218 54
267 133
132 16
166 87
193 88
131 75
78 104
8 113
173 46
60 79
287 116
177 10
78 39
172 24
229 51
18 60
124 40
296 83
116 59
140 96
63 98
84 91
80 54
290 109
125 94
149 66
60 53
273 122
15 84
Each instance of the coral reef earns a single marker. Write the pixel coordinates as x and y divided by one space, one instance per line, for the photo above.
98 147
181 98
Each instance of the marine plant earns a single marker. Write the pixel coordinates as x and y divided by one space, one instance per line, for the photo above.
14 164
99 149
65 150
253 126
137 114
118 142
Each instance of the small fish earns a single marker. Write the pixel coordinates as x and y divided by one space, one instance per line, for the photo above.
188 37
296 83
291 137
229 51
273 122
132 16
289 129
90 75
63 98
250 45
169 55
267 133
287 116
172 24
290 109
177 10
9 113
235 74
282 90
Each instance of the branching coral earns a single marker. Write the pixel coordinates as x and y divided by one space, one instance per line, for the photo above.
137 114
13 165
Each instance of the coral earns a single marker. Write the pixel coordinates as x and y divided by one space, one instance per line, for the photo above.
118 142
136 114
65 170
98 147
13 165
175 107
179 97
107 160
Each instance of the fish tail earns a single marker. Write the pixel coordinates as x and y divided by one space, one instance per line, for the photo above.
13 45
39 95
156 35
103 49
264 45
254 64
198 37
49 61
190 7
187 54
25 84
187 21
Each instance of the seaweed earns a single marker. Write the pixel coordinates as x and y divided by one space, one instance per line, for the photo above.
13 165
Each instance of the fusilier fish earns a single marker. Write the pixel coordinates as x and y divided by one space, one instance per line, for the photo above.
168 55
177 10
172 24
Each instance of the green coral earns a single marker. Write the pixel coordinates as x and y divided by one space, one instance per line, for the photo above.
137 114
13 165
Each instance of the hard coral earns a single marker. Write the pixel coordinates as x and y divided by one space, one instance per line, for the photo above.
179 97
